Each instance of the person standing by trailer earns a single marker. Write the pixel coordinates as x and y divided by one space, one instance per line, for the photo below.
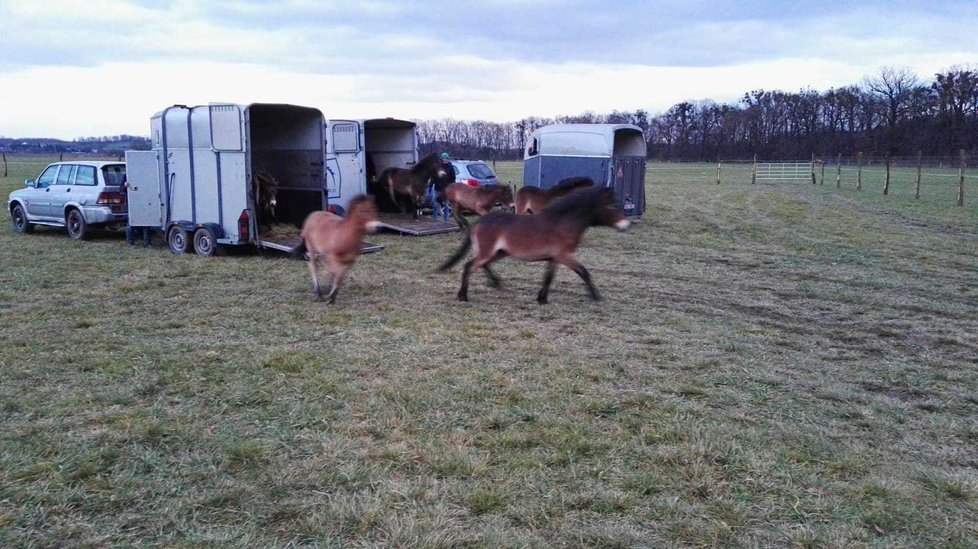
436 189
130 230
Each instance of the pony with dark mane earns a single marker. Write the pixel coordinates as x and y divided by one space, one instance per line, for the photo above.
552 236
531 199
266 196
478 200
411 185
335 241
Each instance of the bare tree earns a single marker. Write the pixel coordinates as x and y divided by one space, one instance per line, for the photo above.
894 87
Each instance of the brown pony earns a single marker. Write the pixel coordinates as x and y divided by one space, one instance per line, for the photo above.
479 200
336 240
412 183
551 236
531 199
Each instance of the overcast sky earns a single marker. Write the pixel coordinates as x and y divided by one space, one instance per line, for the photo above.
73 68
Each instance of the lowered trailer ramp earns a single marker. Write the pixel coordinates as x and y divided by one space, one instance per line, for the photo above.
290 243
415 227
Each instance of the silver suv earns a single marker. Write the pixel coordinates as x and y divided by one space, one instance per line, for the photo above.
77 195
474 172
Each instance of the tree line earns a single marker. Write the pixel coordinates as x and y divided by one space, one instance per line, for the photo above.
891 112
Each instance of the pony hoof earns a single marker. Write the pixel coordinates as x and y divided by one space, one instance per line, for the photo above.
462 297
542 300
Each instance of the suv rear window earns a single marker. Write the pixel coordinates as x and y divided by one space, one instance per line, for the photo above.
480 170
114 174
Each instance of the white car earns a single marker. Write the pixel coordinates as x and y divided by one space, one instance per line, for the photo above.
76 195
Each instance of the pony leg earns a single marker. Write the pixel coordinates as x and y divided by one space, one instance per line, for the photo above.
494 280
548 277
339 273
315 277
586 277
463 291
459 218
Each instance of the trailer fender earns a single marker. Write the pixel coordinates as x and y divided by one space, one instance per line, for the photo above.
216 229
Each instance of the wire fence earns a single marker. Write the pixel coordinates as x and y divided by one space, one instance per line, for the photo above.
944 180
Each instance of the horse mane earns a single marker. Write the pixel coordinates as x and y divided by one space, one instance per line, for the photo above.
425 162
573 183
357 201
584 200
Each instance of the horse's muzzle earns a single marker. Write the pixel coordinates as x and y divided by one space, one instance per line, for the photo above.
623 225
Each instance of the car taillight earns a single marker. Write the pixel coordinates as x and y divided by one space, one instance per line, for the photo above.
472 182
110 198
243 231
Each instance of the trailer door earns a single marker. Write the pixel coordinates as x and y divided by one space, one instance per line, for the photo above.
144 172
344 160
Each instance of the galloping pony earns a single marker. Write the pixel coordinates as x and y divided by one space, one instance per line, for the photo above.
411 185
551 236
336 240
531 199
478 200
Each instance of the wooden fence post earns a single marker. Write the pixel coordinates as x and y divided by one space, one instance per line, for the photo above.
5 164
753 171
859 171
916 187
961 179
821 177
886 177
813 168
718 171
838 172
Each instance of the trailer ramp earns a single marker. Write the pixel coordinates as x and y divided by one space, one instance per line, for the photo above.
415 227
289 242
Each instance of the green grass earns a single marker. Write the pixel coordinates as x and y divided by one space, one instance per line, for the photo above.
773 365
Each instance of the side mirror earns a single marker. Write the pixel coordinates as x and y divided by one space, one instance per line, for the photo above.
29 183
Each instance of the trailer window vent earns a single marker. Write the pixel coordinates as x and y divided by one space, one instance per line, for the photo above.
345 138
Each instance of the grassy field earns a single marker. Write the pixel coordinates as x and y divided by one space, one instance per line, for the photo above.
774 365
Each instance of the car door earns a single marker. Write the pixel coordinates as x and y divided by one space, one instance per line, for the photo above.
38 201
60 192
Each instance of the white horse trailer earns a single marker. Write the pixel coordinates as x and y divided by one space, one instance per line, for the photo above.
358 150
613 155
198 183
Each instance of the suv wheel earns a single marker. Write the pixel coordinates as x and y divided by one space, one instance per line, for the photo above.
19 218
77 228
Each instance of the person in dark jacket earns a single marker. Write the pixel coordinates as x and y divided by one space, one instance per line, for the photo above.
436 189
130 230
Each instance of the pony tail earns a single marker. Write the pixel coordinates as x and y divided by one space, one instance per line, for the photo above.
466 243
299 251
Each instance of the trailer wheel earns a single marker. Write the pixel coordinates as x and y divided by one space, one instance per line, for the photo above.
205 244
177 239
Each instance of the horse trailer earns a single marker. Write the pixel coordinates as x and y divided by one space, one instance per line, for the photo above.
613 155
199 182
358 150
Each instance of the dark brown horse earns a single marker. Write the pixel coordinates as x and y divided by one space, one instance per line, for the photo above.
266 194
411 185
478 200
531 199
335 241
551 236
